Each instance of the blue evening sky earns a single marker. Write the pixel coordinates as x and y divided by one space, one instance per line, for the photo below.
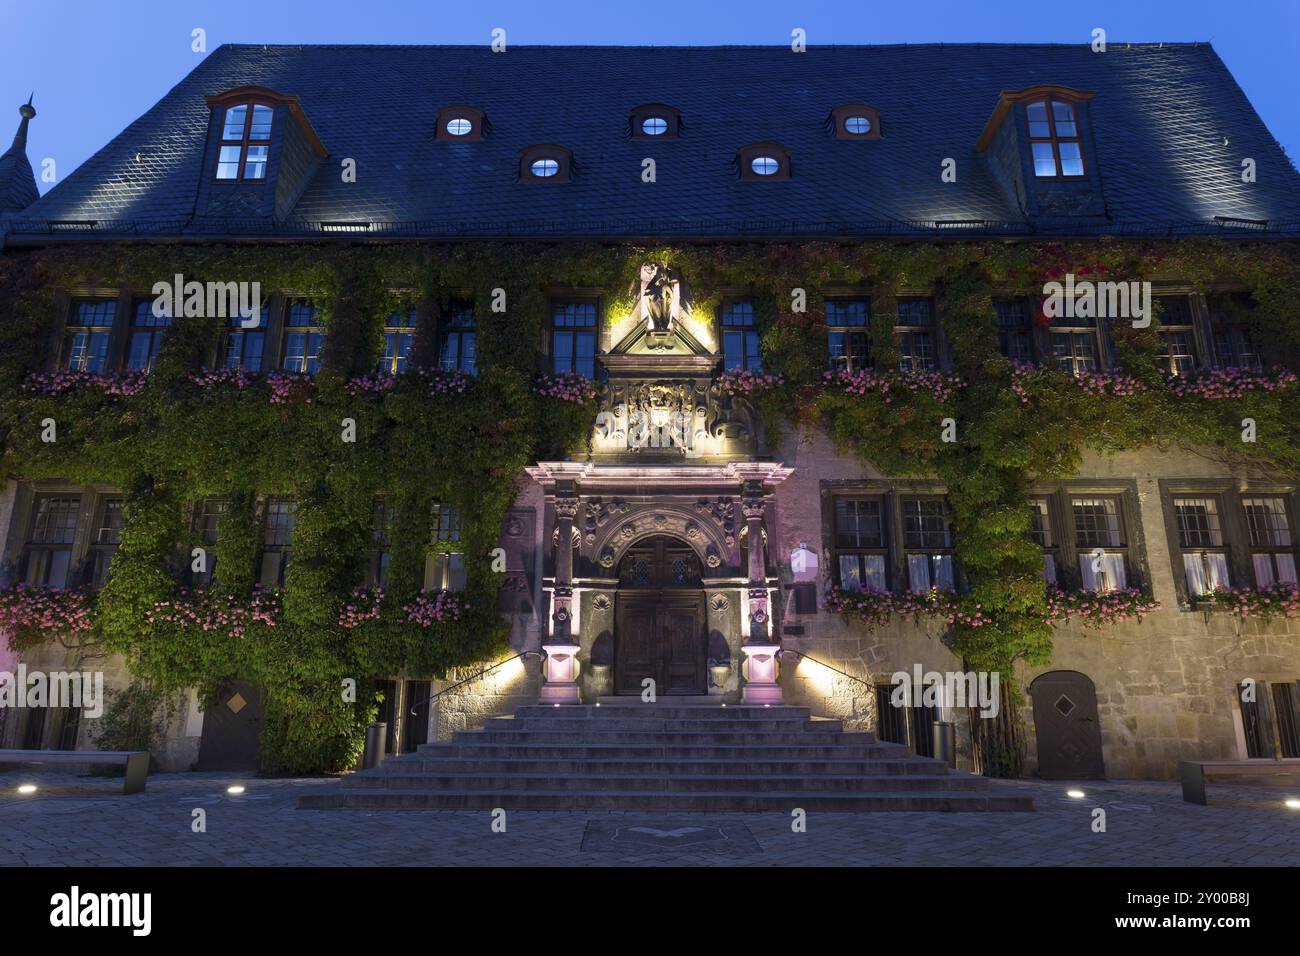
95 66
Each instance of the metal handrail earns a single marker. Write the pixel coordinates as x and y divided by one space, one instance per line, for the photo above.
791 650
411 711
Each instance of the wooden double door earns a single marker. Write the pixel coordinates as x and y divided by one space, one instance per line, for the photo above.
660 636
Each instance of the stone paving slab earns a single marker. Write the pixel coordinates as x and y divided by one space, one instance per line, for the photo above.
87 821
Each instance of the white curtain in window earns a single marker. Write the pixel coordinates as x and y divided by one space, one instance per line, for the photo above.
456 571
1049 568
850 579
1205 572
942 571
1112 576
875 571
918 572
1263 570
1264 574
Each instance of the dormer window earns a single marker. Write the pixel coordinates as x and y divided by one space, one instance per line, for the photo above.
245 122
759 161
545 164
655 121
460 124
1054 125
1054 138
856 121
245 142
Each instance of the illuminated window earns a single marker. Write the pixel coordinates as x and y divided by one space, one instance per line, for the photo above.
302 338
458 340
459 126
50 541
90 325
573 338
243 342
399 335
1073 342
1272 546
277 540
1177 339
861 548
108 534
147 332
927 543
654 126
1054 139
1099 540
740 338
765 165
1200 536
846 333
857 125
1040 529
245 142
545 168
914 333
445 567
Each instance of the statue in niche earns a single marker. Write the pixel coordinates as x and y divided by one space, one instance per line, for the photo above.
658 297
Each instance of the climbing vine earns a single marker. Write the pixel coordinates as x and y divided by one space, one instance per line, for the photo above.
185 433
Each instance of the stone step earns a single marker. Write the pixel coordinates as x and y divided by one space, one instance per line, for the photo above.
664 756
819 800
638 783
672 711
578 725
530 763
664 738
579 750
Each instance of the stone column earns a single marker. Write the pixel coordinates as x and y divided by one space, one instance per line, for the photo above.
561 685
761 649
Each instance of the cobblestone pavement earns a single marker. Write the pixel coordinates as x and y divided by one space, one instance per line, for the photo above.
86 821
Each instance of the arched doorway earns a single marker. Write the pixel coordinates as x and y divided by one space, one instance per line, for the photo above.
659 624
1066 726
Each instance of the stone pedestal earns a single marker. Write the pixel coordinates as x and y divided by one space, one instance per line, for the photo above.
760 674
562 669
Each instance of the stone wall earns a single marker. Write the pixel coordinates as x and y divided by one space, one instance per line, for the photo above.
1166 686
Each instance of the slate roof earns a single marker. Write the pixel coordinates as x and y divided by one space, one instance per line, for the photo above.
1160 117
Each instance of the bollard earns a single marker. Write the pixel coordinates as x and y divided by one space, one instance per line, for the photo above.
945 742
376 738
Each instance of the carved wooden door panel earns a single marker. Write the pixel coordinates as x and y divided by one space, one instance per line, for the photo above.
683 629
637 651
1065 720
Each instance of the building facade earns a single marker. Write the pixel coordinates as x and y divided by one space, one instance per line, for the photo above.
755 301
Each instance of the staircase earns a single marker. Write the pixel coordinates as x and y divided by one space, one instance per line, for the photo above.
664 756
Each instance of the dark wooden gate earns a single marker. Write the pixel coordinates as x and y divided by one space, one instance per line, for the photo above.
659 624
1065 720
232 729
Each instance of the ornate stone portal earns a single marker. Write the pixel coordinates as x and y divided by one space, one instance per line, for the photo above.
658 572
715 599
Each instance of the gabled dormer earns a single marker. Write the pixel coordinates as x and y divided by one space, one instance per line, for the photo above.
1039 145
261 153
